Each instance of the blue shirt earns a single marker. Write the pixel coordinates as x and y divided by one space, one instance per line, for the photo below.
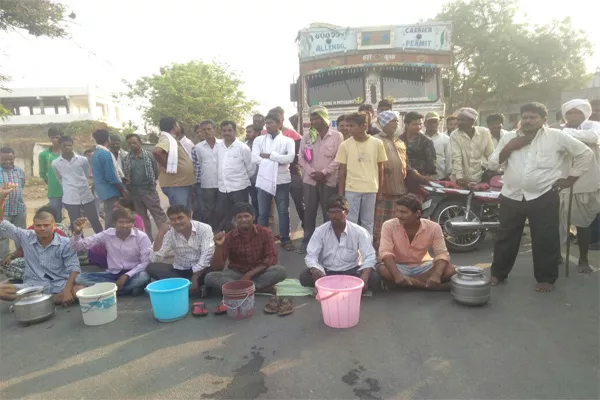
14 203
48 266
105 176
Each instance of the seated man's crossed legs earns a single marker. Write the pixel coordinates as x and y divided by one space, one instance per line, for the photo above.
431 275
264 281
309 276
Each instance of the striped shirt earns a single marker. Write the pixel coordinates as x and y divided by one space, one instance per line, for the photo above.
194 253
14 204
48 266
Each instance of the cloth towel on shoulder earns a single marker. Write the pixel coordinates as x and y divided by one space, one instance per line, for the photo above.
173 153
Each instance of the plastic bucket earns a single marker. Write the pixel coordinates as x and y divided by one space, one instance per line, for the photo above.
340 300
98 303
169 298
238 297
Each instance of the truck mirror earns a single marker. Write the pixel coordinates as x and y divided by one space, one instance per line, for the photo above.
294 92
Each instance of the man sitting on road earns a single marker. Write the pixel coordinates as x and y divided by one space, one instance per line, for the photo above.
49 260
337 246
250 249
127 250
191 242
405 241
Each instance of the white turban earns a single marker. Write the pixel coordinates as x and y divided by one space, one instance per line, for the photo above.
469 113
579 104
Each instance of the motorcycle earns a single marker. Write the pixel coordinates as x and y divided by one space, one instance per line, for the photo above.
465 215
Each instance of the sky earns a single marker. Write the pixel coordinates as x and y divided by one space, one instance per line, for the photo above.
113 40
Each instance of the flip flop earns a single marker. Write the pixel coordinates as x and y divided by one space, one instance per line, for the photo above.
198 309
285 307
220 310
273 305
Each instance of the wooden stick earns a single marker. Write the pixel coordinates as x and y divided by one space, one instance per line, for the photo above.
567 261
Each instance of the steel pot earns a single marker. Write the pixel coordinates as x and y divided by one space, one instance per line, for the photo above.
32 305
470 286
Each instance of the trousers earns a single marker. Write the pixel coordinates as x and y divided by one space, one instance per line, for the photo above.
271 276
306 278
88 210
315 196
137 281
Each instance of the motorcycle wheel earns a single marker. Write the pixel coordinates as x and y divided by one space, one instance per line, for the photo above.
450 209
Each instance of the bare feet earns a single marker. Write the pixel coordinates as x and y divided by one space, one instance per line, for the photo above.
544 287
584 267
495 281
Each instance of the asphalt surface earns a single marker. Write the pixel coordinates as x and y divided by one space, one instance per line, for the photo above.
408 345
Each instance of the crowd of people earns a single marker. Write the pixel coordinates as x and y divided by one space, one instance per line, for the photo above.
364 173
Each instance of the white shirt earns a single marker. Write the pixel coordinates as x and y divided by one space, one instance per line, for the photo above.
235 166
496 141
195 253
326 252
188 145
532 170
282 150
443 155
588 133
208 162
470 155
73 176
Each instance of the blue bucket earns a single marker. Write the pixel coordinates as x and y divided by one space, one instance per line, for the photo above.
169 298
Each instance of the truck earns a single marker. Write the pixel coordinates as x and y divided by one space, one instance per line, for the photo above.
342 68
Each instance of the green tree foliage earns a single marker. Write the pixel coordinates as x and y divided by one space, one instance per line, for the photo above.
191 93
495 57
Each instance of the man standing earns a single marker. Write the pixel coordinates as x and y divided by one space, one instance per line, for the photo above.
340 247
471 147
205 159
451 124
595 228
494 123
191 243
187 144
177 171
361 171
533 160
234 171
441 143
141 170
106 181
317 158
419 148
368 109
118 153
278 148
252 132
15 210
73 171
586 190
45 159
341 127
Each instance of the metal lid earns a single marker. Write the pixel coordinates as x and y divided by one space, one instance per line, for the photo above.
31 295
470 270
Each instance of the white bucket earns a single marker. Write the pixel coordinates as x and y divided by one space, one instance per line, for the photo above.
98 303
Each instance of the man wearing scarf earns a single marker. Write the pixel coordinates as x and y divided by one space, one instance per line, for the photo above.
316 156
586 190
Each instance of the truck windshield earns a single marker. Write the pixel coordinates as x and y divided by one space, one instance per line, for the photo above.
338 88
409 84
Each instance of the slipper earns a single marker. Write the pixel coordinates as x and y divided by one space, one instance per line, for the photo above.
288 246
198 309
273 305
220 310
285 307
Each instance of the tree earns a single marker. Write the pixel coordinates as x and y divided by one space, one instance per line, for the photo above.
495 58
191 93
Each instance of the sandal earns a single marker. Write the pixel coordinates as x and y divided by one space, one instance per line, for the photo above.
198 309
273 305
288 246
285 307
220 310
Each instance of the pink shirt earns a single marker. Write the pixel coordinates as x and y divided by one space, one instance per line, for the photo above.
395 243
131 255
324 151
139 223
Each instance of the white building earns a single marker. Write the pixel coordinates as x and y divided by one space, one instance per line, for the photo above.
43 105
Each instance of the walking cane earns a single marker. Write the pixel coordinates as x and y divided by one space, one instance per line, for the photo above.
567 261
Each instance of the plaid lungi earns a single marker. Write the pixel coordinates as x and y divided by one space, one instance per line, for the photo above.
384 210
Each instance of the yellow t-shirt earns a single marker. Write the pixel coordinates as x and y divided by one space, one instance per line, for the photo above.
361 159
185 175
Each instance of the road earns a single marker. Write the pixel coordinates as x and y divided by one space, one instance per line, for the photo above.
408 345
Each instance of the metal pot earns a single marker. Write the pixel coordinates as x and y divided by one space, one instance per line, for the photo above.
470 286
32 305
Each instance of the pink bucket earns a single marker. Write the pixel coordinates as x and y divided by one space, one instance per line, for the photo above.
340 300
